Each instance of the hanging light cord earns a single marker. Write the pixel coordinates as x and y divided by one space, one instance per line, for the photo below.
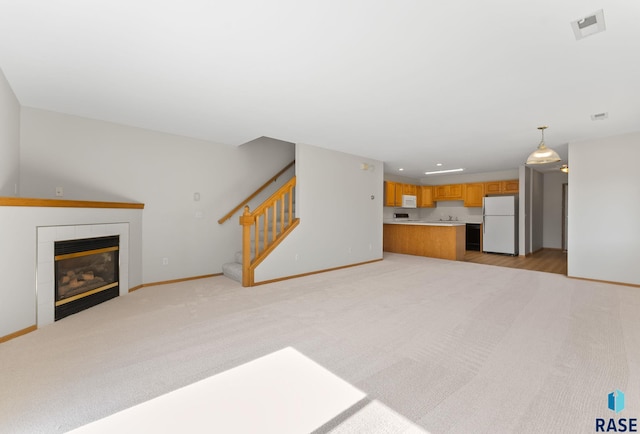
542 145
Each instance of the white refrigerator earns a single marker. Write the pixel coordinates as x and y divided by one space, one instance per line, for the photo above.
500 225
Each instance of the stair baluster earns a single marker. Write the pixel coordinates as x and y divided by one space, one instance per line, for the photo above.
266 214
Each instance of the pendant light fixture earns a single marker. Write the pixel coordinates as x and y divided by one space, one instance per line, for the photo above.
543 155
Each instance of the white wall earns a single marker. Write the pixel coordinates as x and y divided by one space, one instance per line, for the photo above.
441 210
523 213
604 205
463 178
401 179
531 211
537 211
453 208
552 209
9 139
340 224
95 160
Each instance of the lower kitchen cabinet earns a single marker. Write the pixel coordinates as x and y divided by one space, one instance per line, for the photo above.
434 241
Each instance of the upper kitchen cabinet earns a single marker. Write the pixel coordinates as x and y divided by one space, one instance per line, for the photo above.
410 189
449 192
512 186
425 196
473 195
392 193
502 187
493 187
428 195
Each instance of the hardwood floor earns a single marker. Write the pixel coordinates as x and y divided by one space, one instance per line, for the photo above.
547 260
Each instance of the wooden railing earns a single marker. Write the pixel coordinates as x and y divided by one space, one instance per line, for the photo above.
270 223
230 214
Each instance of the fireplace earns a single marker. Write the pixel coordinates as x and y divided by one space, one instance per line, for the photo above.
86 273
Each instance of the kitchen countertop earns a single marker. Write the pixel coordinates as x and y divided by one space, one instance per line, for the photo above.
424 223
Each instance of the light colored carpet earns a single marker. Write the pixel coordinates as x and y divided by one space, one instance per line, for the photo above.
453 347
241 400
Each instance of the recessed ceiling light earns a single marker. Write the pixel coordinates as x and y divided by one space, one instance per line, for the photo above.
401 169
439 164
444 171
600 116
589 25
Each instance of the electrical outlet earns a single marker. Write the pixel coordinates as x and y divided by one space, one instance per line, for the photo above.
59 191
165 261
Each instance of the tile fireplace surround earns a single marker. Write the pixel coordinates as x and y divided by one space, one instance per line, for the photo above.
28 231
47 236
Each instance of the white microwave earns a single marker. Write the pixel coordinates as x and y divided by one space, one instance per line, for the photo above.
409 201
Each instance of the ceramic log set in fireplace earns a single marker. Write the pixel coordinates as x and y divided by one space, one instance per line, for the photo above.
86 273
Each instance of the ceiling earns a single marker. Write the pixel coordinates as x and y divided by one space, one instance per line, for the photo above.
409 82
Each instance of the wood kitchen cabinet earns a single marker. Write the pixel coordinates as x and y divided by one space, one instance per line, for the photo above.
449 192
389 193
410 189
392 193
473 195
493 187
428 195
440 192
425 196
444 242
502 187
511 186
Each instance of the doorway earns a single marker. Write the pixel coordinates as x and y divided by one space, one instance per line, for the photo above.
565 216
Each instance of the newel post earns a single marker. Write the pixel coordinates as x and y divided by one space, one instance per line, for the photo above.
246 220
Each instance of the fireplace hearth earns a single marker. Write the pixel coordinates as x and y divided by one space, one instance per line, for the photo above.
86 273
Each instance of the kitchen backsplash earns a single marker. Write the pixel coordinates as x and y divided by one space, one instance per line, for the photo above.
443 210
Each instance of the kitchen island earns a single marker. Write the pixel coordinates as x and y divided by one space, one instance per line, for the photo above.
444 240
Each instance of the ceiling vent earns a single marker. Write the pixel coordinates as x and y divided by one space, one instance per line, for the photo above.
589 25
599 116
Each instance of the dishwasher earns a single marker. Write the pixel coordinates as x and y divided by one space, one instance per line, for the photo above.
473 237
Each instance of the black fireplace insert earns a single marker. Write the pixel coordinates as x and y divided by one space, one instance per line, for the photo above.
86 273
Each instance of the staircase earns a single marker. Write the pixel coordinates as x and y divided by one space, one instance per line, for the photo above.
263 229
233 270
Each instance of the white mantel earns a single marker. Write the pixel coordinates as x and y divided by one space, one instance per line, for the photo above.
28 228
